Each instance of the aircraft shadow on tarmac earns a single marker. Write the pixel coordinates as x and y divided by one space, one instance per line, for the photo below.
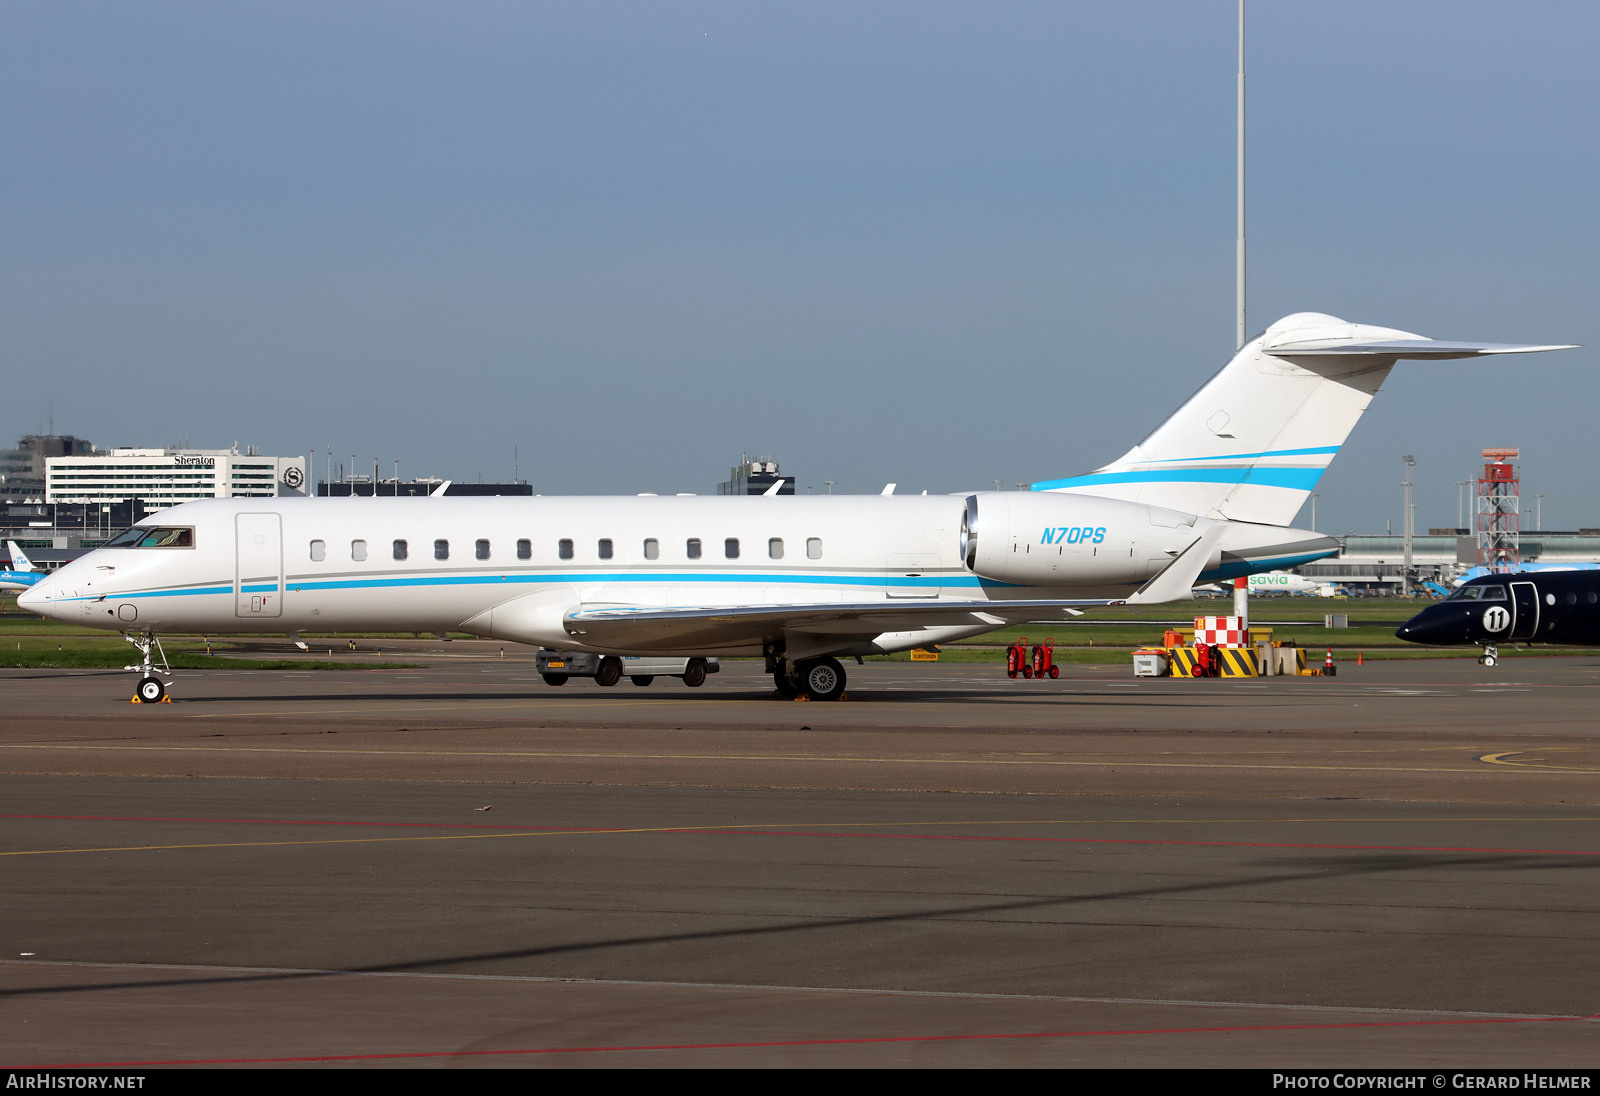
1322 870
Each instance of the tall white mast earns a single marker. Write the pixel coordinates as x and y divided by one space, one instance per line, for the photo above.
1239 275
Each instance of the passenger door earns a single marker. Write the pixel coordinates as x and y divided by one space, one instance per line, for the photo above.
258 565
1525 596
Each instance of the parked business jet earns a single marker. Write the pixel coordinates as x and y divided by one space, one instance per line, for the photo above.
1552 606
800 580
22 574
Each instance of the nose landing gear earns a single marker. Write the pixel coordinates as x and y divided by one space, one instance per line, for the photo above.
1491 655
151 689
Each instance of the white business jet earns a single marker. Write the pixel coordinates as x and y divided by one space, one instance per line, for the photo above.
799 580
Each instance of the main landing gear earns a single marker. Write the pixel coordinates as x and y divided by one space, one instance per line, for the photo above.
151 689
816 678
1491 655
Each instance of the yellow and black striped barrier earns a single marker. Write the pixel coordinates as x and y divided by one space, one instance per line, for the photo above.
1234 661
1228 661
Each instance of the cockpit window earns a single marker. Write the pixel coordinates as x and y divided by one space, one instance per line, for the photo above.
141 536
1479 593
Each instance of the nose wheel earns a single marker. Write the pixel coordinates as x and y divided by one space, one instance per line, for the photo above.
1490 656
151 689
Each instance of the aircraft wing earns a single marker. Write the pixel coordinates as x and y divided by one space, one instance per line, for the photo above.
643 628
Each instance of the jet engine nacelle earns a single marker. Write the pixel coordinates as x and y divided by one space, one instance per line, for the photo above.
1042 538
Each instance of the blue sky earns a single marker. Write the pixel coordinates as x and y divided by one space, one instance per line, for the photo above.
936 243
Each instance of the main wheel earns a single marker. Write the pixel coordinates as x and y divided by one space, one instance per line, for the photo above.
694 674
610 671
151 690
822 678
554 679
642 679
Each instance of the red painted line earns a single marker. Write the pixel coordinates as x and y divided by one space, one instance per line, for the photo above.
1143 841
307 822
816 1042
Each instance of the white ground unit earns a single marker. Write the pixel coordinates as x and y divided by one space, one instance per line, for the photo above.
167 477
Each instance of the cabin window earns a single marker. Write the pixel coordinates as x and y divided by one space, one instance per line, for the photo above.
319 551
730 547
775 548
481 549
564 549
1572 599
692 549
813 547
604 548
1590 597
400 549
358 550
524 549
441 549
652 548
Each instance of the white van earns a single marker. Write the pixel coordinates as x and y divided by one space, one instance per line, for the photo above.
557 666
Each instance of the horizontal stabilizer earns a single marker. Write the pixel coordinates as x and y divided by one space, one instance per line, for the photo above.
1415 349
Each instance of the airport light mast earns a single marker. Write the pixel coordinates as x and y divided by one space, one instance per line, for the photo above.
1409 524
1499 512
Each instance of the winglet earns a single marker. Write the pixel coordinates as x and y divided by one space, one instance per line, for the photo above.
438 492
1177 578
777 485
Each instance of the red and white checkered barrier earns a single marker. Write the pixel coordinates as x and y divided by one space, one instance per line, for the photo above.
1221 631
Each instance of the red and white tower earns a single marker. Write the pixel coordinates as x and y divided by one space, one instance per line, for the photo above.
1499 512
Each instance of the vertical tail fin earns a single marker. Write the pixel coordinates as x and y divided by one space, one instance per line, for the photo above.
19 561
1253 442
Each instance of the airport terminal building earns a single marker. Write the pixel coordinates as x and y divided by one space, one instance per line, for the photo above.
159 478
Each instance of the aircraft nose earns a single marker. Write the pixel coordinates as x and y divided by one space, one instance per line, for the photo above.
1426 627
36 598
